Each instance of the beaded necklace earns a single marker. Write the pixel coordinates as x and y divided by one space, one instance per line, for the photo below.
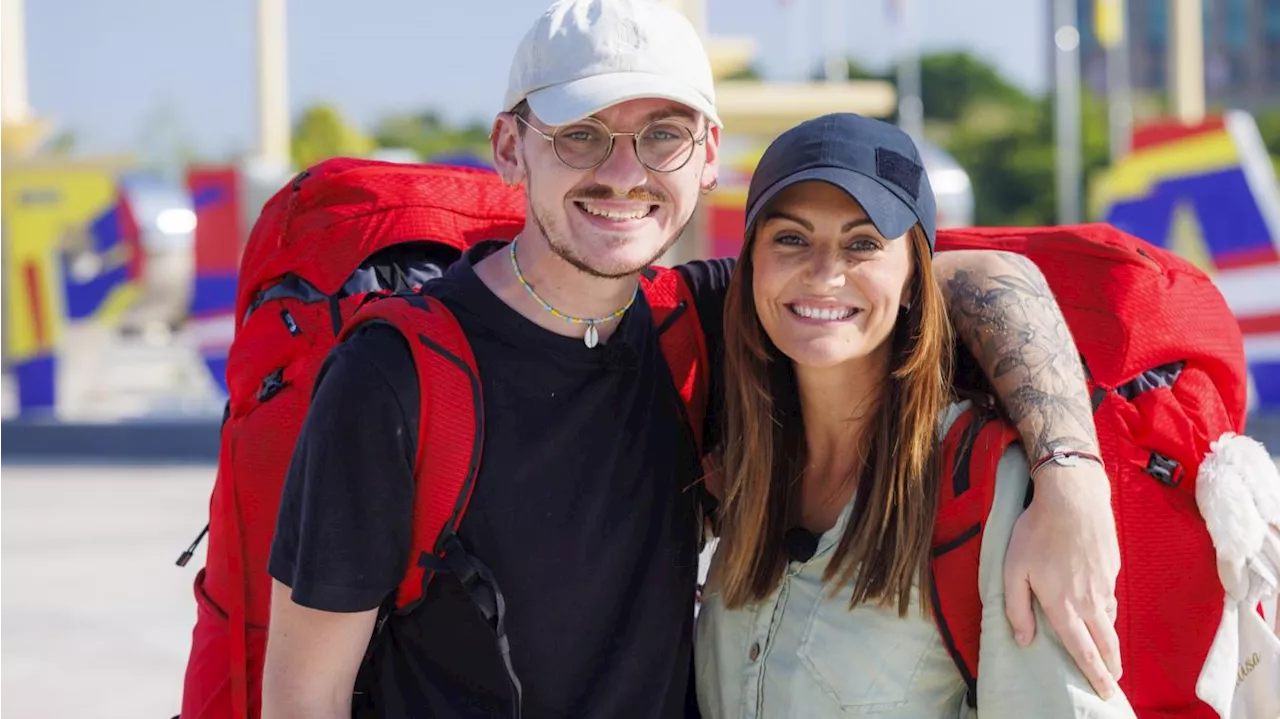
592 337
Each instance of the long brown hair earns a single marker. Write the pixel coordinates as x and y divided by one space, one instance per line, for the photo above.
885 547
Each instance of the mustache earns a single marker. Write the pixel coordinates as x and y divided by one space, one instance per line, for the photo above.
636 194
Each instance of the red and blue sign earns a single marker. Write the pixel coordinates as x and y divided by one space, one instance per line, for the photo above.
216 194
1209 193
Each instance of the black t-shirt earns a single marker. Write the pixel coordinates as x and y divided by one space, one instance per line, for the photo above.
582 510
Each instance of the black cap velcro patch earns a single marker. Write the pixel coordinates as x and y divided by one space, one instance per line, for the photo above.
900 170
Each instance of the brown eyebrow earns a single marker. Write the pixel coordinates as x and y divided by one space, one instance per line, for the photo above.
670 112
667 113
779 215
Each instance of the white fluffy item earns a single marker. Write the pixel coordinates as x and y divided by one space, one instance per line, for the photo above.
1238 493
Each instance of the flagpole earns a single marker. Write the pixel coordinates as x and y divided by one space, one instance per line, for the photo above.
836 64
1066 39
1119 101
14 109
273 88
1186 60
1111 27
910 100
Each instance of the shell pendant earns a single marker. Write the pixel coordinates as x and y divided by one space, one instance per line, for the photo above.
592 337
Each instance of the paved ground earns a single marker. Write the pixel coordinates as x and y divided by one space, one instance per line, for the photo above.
96 617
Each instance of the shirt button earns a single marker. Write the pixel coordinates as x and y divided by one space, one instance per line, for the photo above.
755 651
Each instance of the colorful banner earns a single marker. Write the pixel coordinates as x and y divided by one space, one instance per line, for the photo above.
216 194
99 276
49 210
1209 193
725 222
1108 22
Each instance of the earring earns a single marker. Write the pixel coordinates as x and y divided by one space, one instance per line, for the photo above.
710 188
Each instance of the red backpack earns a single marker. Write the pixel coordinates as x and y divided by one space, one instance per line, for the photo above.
297 297
1165 364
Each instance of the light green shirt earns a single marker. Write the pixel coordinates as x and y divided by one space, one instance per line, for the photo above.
802 654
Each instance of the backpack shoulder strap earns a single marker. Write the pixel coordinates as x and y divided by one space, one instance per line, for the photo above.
971 455
683 345
450 442
449 387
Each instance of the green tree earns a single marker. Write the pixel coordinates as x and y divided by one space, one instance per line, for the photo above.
430 136
858 71
321 133
952 82
63 143
749 72
1269 127
1003 137
1011 164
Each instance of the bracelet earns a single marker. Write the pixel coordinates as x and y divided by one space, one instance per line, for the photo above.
1066 458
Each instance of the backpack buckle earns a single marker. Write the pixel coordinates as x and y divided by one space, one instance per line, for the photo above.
271 385
1165 470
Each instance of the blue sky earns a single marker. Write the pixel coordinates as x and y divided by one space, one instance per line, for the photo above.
109 70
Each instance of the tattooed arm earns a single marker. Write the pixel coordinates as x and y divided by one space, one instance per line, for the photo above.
1064 547
1006 316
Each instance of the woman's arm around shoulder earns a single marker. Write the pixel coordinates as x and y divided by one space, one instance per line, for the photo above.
1042 679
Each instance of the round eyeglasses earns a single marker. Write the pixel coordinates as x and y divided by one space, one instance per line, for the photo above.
661 146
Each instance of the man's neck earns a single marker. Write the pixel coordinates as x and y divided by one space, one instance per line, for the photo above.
570 291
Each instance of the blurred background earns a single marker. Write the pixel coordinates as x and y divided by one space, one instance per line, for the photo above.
141 138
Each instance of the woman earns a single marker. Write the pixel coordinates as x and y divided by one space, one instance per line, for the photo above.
838 361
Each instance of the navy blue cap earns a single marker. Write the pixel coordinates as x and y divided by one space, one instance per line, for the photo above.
874 161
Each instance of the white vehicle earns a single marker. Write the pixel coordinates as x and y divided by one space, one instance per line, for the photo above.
951 186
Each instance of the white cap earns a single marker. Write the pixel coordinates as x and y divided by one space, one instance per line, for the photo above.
582 56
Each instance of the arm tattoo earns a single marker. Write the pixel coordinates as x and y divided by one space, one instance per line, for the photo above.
1007 317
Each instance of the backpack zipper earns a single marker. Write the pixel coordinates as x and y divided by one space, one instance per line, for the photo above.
191 550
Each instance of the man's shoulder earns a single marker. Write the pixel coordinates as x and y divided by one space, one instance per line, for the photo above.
372 341
708 276
708 282
375 353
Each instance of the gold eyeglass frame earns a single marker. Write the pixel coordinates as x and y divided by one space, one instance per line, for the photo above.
635 142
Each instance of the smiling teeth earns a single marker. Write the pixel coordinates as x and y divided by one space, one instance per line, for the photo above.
814 313
615 215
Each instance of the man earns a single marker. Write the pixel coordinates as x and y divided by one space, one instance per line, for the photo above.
582 510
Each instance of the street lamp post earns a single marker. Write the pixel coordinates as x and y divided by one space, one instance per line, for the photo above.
910 100
1066 54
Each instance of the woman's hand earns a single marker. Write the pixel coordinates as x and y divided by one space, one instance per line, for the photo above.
1064 550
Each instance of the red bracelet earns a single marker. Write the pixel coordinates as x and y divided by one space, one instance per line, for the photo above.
1065 457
